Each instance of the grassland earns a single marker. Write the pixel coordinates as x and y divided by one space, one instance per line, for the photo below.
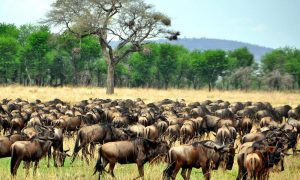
76 94
80 170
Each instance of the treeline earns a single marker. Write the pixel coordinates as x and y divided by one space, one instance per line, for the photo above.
32 55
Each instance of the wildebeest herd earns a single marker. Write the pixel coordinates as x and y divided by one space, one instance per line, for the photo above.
131 131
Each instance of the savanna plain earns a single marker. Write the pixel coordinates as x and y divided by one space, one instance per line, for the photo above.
80 170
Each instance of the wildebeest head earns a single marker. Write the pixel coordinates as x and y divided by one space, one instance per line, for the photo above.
228 156
119 134
153 148
61 157
220 154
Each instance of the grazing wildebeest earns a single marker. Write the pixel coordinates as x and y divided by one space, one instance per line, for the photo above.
204 154
59 154
98 133
137 151
29 151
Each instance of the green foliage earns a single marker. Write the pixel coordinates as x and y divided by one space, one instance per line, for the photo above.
9 30
240 57
285 60
9 49
32 55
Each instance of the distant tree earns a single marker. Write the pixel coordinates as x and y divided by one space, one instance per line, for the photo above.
292 66
34 56
142 65
167 64
242 77
275 60
9 49
212 65
9 30
242 57
196 64
129 21
277 80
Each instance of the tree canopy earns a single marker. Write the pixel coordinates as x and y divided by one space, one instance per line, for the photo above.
129 22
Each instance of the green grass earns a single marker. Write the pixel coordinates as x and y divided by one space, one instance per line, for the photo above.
80 170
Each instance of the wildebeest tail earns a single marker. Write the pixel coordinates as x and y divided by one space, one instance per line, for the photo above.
147 133
99 166
252 167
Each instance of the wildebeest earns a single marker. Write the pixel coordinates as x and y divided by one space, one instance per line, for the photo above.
172 133
152 132
271 151
187 131
204 154
29 151
6 142
59 154
254 164
137 151
98 133
294 113
224 136
245 126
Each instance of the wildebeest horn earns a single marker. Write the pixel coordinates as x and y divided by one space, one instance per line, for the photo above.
218 147
287 154
65 151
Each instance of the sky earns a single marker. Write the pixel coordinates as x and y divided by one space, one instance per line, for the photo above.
270 23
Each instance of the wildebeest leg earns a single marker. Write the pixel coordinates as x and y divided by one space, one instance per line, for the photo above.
282 164
189 173
206 173
175 171
15 163
84 153
294 150
92 150
26 166
111 168
183 173
36 163
140 166
55 156
49 157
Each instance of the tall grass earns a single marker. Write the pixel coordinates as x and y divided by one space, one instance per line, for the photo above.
80 170
76 94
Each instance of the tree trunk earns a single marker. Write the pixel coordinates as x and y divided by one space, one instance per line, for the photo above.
209 86
110 79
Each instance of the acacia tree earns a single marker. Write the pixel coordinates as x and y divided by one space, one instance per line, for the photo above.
130 22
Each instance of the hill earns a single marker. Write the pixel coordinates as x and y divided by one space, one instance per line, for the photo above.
205 44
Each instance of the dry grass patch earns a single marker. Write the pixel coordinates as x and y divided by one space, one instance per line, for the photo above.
76 94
